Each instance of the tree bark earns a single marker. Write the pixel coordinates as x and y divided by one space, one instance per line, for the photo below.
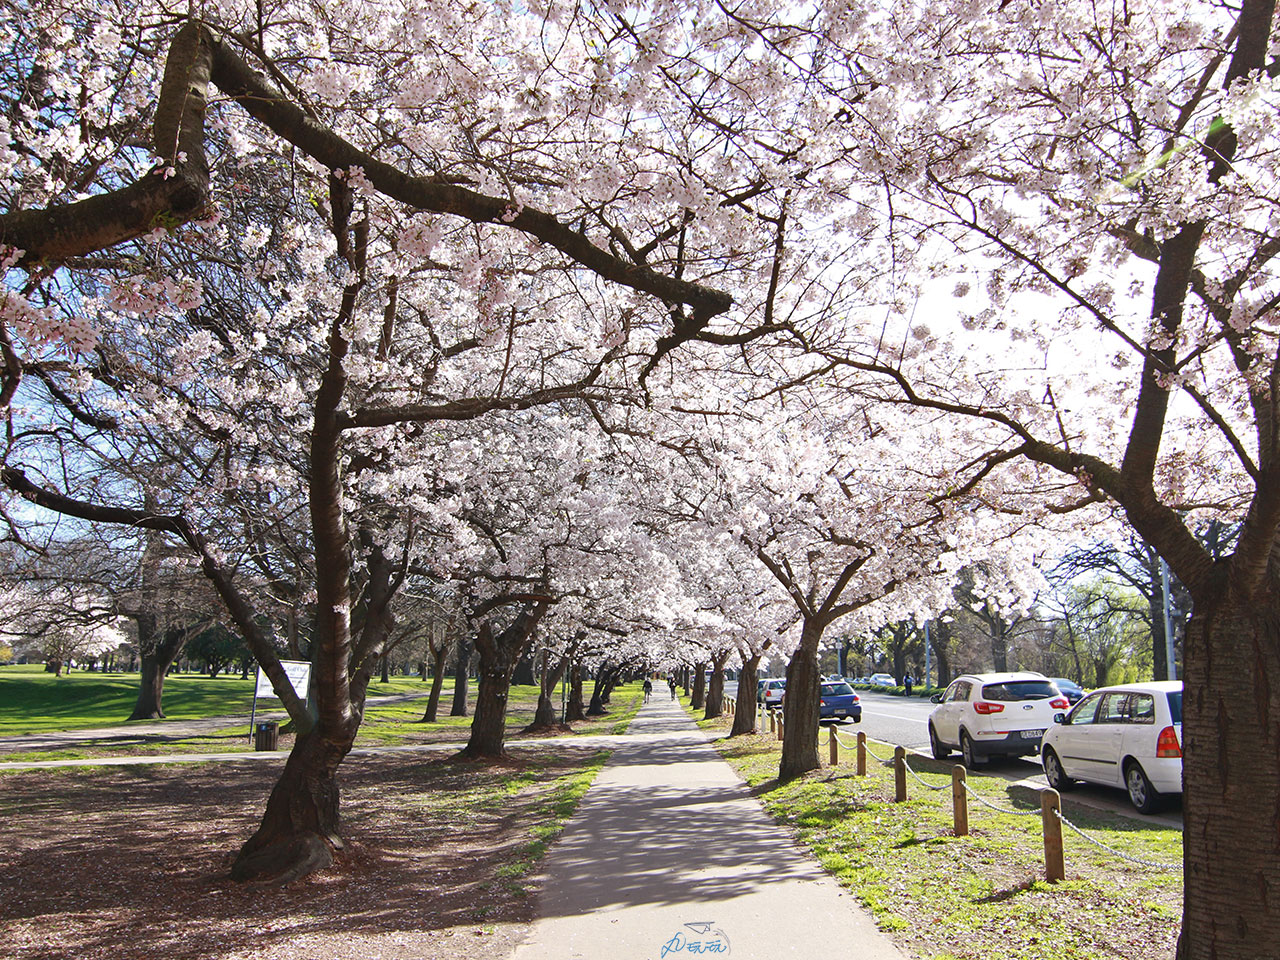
1231 807
699 698
158 654
300 829
437 681
596 709
715 692
744 714
499 654
575 710
800 707
461 669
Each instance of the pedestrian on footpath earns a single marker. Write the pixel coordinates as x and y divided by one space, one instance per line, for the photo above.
671 682
648 689
906 682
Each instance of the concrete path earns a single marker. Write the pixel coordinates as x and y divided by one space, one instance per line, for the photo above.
669 855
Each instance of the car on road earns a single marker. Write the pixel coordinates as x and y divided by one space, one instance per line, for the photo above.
1070 689
882 680
1127 736
771 692
993 714
837 701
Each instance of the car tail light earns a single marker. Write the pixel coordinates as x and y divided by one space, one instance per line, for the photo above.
983 707
822 702
1167 744
1060 703
855 698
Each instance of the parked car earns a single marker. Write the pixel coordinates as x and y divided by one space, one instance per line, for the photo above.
1070 689
882 680
837 701
771 692
993 714
1126 736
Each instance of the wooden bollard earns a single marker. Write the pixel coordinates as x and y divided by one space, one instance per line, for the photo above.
773 723
1050 807
960 800
862 754
899 775
835 747
781 727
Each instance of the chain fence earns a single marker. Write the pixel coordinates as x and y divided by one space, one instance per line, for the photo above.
969 791
1153 864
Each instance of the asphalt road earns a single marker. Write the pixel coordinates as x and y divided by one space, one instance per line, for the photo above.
904 721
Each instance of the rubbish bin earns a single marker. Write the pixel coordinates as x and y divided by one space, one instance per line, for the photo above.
266 736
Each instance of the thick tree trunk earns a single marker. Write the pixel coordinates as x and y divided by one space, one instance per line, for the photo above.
999 644
459 708
1231 808
575 710
800 708
544 718
300 829
744 714
158 654
524 675
715 691
699 698
488 725
596 709
498 657
437 682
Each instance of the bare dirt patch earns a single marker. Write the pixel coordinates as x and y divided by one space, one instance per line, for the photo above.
132 862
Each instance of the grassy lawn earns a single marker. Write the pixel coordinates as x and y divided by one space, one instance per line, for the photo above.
32 701
954 897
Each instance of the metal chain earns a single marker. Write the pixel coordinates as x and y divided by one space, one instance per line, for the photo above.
929 786
878 757
1155 865
986 803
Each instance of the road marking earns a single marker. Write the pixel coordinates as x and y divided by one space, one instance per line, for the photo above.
898 716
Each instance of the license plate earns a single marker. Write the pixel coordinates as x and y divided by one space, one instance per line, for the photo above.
842 713
1032 734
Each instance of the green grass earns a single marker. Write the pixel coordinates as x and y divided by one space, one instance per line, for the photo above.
905 864
32 701
553 811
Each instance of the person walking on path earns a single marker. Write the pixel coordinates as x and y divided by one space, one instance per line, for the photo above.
648 689
906 682
671 683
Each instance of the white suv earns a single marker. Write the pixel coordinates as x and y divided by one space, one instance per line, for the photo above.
989 714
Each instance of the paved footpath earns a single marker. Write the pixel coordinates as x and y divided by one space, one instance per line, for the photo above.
669 856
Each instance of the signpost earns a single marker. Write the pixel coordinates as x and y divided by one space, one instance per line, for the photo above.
299 674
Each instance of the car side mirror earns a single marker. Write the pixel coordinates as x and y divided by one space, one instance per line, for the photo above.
1059 718
936 698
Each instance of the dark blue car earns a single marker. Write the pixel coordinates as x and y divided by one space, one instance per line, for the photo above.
837 701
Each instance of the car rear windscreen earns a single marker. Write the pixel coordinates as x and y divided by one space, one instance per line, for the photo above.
1020 690
1175 705
836 689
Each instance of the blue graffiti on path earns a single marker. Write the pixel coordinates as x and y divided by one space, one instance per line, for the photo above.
709 940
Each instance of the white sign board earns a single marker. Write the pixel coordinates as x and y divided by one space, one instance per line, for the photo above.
299 673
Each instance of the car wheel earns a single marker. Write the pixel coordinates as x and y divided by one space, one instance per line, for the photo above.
971 758
1142 795
1053 771
940 750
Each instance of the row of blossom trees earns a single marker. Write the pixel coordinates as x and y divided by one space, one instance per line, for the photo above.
673 323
